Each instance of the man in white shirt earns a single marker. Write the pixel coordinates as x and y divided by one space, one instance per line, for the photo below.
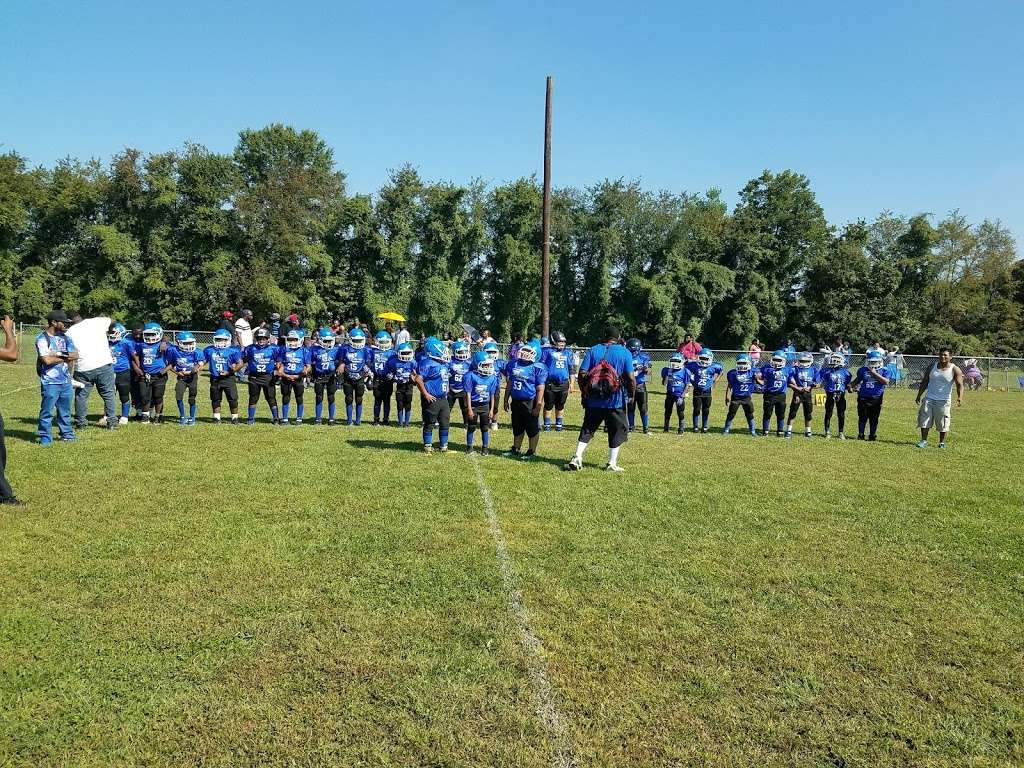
403 336
243 329
95 366
937 390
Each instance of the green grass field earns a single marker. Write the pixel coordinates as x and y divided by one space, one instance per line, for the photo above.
287 597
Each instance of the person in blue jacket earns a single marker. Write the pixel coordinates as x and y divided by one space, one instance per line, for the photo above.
641 370
774 380
121 350
481 387
802 381
870 383
524 397
293 366
186 362
261 360
740 393
431 377
675 377
401 370
704 372
835 379
223 360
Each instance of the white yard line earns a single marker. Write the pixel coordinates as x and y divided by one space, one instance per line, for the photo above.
547 706
19 389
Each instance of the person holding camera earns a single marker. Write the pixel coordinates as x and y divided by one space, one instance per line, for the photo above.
55 350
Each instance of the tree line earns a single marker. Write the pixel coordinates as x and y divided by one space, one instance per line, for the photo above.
180 235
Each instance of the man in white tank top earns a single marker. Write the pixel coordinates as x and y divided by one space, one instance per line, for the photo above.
938 383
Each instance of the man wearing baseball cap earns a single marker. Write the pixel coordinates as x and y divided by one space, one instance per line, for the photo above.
55 350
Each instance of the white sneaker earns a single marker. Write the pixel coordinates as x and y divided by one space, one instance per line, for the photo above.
573 465
123 420
614 468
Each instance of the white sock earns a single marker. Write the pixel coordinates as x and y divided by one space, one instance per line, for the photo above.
613 456
216 417
580 448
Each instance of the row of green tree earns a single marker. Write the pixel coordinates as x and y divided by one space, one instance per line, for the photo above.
181 235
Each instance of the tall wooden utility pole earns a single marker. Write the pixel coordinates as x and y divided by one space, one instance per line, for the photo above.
545 254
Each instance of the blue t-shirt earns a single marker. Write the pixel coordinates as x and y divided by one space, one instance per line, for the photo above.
803 377
357 361
400 371
703 376
525 378
641 367
481 388
294 361
379 358
55 373
741 383
776 380
458 370
869 385
621 360
221 361
183 362
261 359
834 379
558 363
676 381
324 359
122 354
151 359
435 376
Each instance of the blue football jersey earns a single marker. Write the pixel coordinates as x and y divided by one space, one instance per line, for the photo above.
803 377
400 371
641 367
458 370
525 378
380 358
676 381
435 376
741 383
150 357
776 380
184 362
294 361
357 361
834 379
122 354
558 363
481 388
704 375
221 361
869 385
261 359
324 359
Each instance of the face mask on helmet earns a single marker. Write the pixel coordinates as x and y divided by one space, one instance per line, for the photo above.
778 361
634 346
874 363
743 364
836 361
357 340
326 340
558 339
704 359
805 361
383 341
485 366
294 340
405 353
526 354
492 352
114 335
460 351
676 363
151 335
186 342
262 337
221 340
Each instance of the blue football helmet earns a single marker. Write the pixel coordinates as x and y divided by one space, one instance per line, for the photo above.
186 341
836 360
743 363
779 359
152 333
356 338
436 349
382 341
406 352
460 350
529 353
705 358
116 333
491 350
221 338
676 362
325 338
806 360
874 360
294 338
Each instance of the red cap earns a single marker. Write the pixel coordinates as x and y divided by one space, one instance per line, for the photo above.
293 318
228 313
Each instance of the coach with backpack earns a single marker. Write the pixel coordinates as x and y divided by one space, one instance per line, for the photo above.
606 381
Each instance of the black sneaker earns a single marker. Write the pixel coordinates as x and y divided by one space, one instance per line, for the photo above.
528 456
16 503
511 453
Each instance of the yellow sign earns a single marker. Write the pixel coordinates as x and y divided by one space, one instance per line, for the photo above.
819 398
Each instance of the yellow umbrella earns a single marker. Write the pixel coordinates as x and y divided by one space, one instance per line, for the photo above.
391 316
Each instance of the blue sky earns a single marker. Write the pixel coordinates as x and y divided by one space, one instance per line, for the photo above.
904 106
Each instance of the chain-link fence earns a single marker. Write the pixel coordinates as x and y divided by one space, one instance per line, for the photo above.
1004 374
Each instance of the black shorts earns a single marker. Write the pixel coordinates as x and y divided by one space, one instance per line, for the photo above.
555 395
438 411
480 416
613 418
523 419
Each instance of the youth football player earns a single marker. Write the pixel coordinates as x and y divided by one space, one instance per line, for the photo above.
774 379
835 379
676 379
870 383
490 348
324 359
292 367
802 380
524 397
151 367
400 370
558 359
641 369
223 360
383 387
261 358
704 372
121 350
431 377
740 394
459 367
354 369
481 397
187 362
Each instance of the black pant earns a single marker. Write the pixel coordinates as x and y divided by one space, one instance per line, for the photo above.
836 401
225 386
773 402
680 406
459 397
403 396
438 411
734 405
555 395
6 493
136 391
124 385
523 419
151 393
479 417
613 418
288 388
701 405
638 403
805 399
382 391
354 390
868 410
325 382
191 383
262 382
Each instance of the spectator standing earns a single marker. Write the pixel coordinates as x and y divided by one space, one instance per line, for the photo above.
937 389
402 336
55 350
690 348
274 326
95 367
227 321
604 397
754 350
243 329
9 354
